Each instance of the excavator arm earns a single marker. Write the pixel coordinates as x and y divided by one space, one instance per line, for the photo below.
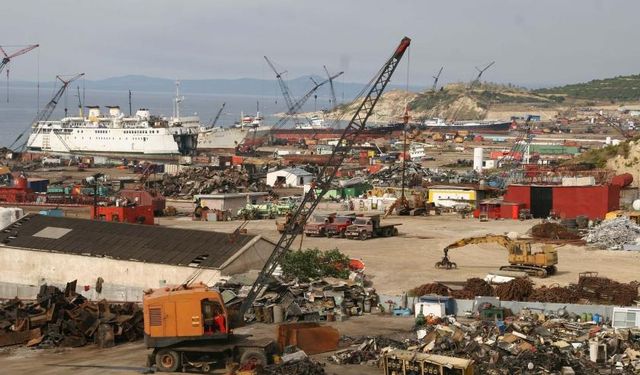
505 241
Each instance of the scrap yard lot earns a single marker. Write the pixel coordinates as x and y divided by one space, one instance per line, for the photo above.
415 224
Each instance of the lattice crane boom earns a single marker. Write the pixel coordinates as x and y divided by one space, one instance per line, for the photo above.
327 173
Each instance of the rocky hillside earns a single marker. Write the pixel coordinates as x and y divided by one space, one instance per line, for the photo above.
454 101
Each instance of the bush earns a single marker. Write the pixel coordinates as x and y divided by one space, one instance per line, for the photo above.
314 263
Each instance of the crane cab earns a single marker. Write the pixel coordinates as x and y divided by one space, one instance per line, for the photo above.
184 313
520 253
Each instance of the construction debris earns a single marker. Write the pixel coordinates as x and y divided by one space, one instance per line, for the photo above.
208 180
67 319
614 234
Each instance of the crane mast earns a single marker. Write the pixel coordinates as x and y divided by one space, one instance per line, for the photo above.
215 119
334 102
283 86
327 173
47 110
7 59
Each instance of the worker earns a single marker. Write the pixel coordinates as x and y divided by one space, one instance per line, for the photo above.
219 319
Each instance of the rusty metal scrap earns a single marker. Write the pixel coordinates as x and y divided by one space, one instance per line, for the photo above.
432 288
552 231
67 319
207 180
555 294
606 291
517 289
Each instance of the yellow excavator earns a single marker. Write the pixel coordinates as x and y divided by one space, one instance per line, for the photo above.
540 264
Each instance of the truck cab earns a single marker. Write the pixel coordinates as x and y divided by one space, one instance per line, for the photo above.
339 225
318 224
368 227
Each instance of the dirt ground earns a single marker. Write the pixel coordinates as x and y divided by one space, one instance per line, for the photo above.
130 358
397 264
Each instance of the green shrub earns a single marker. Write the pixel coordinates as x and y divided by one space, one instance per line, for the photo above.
314 263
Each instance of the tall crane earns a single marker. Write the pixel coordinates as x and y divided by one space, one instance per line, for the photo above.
7 59
248 149
327 173
215 119
283 85
47 110
334 102
480 72
435 80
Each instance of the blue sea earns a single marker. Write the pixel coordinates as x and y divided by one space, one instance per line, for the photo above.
17 115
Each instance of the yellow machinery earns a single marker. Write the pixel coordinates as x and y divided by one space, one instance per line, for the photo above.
521 258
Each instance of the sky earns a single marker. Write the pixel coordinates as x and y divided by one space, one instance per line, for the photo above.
533 42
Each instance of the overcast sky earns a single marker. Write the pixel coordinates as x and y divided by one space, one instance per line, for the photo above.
532 41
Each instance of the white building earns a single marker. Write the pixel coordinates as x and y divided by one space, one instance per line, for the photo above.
289 177
126 258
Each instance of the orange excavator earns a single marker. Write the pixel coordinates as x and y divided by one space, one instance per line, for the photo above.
521 258
189 326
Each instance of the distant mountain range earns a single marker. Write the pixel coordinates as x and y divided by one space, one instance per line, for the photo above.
243 86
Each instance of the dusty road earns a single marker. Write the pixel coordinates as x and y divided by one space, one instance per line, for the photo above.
400 263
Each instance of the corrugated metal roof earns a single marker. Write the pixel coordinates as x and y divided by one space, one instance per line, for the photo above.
143 243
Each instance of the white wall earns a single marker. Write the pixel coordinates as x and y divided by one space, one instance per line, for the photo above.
26 267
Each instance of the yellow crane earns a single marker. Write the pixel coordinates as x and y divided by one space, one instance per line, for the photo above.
521 258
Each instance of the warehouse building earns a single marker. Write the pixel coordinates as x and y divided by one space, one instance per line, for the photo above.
122 259
593 201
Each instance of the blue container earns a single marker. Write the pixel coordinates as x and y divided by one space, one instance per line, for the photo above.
449 306
597 318
55 212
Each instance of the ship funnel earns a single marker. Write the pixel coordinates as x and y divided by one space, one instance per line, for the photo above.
94 113
143 114
114 111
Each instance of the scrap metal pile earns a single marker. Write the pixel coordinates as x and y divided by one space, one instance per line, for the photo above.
208 180
67 319
325 299
614 234
553 231
590 289
531 343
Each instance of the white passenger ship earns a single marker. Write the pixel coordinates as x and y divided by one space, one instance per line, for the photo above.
114 133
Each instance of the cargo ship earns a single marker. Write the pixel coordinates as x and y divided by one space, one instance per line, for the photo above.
484 126
220 139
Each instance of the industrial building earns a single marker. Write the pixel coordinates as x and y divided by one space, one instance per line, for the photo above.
231 202
565 201
289 177
124 259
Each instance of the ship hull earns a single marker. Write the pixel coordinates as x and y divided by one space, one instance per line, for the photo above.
493 127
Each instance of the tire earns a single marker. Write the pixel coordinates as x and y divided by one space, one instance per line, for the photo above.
167 360
438 265
254 358
363 236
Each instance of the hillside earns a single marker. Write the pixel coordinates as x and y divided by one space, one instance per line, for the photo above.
621 88
453 101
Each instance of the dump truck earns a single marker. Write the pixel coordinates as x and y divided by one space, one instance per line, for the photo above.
188 328
369 227
318 224
521 258
339 225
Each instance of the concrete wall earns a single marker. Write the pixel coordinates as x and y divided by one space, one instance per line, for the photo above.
26 267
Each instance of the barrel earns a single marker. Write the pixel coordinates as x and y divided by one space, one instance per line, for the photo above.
622 180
